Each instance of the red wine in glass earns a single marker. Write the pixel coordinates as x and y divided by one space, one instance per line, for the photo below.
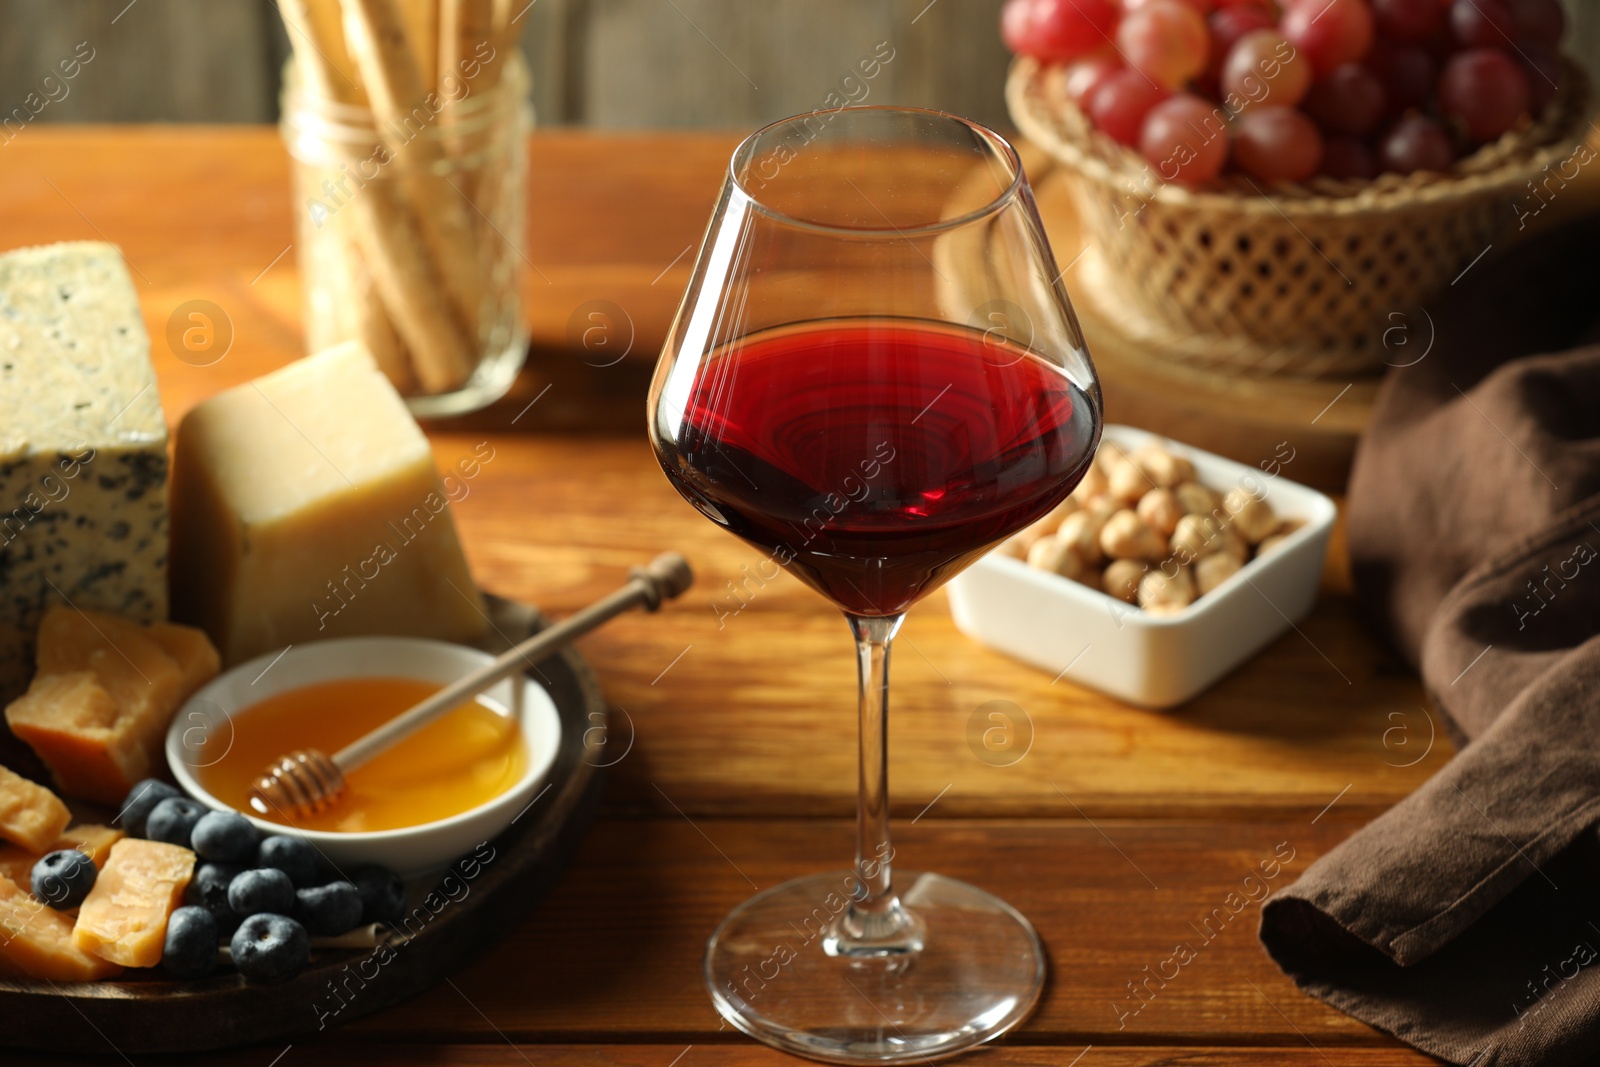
874 375
875 458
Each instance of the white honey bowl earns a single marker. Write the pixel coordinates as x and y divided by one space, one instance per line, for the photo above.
204 722
1154 661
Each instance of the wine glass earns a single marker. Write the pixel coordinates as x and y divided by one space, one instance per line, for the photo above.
875 375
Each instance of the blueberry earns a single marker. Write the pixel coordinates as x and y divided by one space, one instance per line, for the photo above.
383 895
329 910
261 890
225 837
294 856
172 820
191 947
209 890
141 800
270 948
62 879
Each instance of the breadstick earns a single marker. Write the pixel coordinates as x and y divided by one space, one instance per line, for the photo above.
463 26
411 289
373 324
319 44
398 95
421 21
317 36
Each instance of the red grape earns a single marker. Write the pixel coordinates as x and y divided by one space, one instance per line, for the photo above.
1346 157
1084 76
1119 104
1165 39
1408 20
1416 142
1057 30
1539 22
1277 144
1405 71
1481 23
1485 91
1329 32
1185 139
1016 26
1544 71
1264 68
1228 25
1202 7
1349 100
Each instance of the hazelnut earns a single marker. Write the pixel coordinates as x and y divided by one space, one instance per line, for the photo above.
1197 499
1126 482
1162 467
1211 571
1121 579
1195 536
1058 557
1104 507
1271 544
1125 536
1092 485
1160 510
1162 593
1015 546
1252 518
1081 530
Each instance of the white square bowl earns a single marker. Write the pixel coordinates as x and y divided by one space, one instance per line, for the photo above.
1155 661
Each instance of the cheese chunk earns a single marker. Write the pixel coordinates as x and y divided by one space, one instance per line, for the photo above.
38 941
124 917
197 658
306 506
83 447
73 724
30 815
93 841
97 712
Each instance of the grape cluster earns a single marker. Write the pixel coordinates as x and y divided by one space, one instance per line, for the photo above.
1282 91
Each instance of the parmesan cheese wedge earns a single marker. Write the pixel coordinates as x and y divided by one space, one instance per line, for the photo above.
306 506
37 941
124 917
30 815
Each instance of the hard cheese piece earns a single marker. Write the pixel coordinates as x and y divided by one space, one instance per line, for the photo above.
38 941
71 721
98 711
306 506
124 917
197 658
83 447
30 815
92 840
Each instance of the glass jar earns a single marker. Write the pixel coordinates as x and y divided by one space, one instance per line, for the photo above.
408 231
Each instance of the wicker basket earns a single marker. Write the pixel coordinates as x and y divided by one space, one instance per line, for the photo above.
1294 280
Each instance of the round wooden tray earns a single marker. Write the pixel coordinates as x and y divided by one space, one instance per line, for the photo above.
465 911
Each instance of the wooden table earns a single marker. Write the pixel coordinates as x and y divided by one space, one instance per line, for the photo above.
1117 834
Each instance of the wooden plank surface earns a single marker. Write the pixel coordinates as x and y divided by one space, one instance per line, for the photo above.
616 948
748 1054
738 765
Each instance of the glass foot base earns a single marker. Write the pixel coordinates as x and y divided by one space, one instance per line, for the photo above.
773 972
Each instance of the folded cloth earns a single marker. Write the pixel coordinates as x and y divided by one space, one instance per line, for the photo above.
1466 919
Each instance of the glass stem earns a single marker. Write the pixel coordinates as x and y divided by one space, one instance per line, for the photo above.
875 923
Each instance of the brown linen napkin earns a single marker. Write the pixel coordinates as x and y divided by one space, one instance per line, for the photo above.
1466 919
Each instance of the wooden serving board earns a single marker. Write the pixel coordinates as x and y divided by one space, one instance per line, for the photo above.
468 909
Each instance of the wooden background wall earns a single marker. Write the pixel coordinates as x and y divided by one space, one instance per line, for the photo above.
606 63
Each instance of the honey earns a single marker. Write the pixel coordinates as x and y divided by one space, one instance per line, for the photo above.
469 756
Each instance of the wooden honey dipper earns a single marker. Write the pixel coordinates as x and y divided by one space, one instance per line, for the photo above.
308 780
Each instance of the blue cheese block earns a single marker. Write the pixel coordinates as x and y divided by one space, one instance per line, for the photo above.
83 447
